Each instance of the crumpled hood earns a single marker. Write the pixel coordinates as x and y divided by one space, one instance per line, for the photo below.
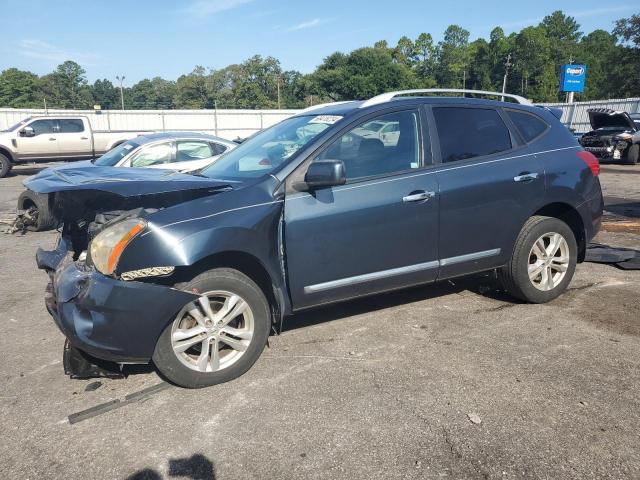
604 117
125 182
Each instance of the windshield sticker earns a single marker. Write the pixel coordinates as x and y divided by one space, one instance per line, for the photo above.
128 147
328 119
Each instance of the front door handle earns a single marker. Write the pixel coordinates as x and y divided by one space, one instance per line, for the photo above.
525 177
84 138
418 197
52 139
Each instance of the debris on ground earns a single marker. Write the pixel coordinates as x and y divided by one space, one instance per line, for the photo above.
93 386
624 258
474 418
22 221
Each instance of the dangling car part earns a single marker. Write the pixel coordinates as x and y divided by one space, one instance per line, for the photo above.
615 136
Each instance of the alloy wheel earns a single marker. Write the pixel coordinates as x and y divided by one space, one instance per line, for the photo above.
548 261
213 332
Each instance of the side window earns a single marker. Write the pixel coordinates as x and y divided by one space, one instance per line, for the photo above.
193 150
218 148
530 126
71 125
41 127
389 143
470 132
153 155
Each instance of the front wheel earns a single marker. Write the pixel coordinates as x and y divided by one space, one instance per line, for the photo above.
219 336
633 154
543 260
5 165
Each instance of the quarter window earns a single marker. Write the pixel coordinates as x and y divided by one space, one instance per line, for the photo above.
193 150
386 144
218 148
529 126
41 127
470 132
70 125
153 155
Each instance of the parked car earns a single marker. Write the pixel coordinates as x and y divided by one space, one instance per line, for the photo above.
49 138
193 272
615 135
181 151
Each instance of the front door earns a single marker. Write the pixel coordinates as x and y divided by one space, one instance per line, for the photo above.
377 232
43 144
489 183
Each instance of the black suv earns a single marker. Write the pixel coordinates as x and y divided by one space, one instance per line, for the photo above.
337 202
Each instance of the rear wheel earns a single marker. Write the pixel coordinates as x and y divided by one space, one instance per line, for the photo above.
5 165
633 154
37 204
217 337
543 260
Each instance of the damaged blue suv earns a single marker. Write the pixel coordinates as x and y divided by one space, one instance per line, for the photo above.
340 201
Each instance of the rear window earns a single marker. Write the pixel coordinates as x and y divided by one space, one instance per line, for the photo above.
71 125
529 126
470 132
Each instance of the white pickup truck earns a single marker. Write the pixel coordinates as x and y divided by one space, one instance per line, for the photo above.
48 137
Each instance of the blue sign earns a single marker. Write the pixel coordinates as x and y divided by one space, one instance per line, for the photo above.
572 78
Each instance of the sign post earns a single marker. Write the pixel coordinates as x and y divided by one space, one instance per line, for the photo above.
572 79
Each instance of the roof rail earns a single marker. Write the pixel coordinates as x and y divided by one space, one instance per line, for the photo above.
322 105
385 97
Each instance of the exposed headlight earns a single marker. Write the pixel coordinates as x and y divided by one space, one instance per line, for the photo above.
109 244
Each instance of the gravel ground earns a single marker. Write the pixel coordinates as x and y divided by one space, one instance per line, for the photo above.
449 380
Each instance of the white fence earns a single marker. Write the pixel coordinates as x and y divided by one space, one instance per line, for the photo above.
231 124
227 124
574 115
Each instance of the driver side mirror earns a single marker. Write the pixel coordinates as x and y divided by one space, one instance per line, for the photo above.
325 173
27 132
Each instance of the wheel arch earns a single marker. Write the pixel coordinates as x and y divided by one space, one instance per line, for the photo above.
7 153
247 264
569 215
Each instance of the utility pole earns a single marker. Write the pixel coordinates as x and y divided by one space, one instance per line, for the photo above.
121 79
570 94
507 64
278 84
44 99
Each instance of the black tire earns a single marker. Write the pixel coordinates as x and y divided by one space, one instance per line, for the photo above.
40 202
633 154
228 280
515 275
5 165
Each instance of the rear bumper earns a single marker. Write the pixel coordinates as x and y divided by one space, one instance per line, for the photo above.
591 212
110 319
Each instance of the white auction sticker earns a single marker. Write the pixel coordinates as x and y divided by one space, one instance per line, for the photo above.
328 119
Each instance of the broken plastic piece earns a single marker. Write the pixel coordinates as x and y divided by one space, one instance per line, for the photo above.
80 365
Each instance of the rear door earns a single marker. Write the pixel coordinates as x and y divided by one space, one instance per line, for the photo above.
489 181
73 138
45 142
377 232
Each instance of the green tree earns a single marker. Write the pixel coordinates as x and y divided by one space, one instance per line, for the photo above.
563 33
453 56
18 89
105 94
70 86
361 74
191 90
625 64
426 58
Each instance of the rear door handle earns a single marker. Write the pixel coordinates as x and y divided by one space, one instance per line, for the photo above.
52 139
418 197
525 177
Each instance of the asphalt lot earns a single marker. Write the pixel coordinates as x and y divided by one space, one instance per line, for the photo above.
378 388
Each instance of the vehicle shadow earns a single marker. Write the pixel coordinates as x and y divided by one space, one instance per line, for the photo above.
485 284
196 467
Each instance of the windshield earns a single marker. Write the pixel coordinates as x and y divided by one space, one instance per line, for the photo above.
262 153
113 156
17 125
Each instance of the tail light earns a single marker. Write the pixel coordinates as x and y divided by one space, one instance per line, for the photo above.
591 161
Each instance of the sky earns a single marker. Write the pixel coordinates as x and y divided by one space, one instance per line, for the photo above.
145 38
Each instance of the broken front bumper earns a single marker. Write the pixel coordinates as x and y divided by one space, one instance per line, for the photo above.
107 318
